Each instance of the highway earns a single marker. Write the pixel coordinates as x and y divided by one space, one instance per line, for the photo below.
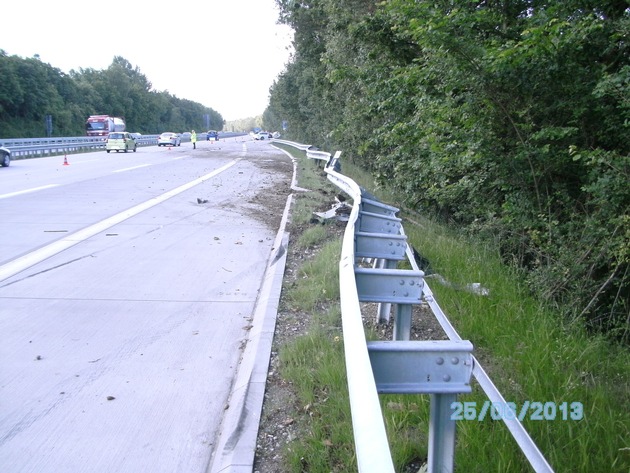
128 283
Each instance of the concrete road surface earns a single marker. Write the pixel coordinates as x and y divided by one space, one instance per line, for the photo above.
130 286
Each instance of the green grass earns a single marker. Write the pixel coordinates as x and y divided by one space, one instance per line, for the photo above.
318 279
529 352
312 237
314 364
531 356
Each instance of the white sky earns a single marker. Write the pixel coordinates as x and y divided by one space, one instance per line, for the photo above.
224 54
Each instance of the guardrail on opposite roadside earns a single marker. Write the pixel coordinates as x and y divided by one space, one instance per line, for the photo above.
40 147
441 369
22 148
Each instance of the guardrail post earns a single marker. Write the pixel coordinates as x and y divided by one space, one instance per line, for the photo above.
441 434
385 250
384 308
440 368
402 322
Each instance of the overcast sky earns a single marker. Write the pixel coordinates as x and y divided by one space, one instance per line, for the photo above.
224 54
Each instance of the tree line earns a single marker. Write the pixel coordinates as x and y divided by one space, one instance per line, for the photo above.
30 90
509 119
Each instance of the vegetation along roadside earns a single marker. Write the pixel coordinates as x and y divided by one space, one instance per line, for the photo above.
508 120
530 353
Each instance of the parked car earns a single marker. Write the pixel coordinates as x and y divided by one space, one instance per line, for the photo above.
5 157
212 135
262 135
169 139
120 141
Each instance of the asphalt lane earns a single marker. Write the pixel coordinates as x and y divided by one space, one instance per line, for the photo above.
119 351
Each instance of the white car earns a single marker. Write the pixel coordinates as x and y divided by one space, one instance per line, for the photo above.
169 139
262 135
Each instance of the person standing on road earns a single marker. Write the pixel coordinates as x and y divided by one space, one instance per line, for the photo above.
193 139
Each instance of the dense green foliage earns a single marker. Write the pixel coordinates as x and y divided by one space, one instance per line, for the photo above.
507 118
31 89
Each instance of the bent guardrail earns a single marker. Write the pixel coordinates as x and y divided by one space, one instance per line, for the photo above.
441 369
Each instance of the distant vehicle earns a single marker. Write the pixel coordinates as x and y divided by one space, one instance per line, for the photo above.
117 141
212 135
136 135
169 139
262 135
102 125
5 157
186 135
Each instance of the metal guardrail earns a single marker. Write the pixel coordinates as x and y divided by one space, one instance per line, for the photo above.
39 147
439 368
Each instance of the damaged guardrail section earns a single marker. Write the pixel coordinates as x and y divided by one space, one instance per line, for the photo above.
441 369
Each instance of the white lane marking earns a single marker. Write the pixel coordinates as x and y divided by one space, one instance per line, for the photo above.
30 259
26 191
130 169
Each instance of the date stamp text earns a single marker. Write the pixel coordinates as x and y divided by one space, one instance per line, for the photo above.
509 411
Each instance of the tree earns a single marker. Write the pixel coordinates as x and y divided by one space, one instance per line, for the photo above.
506 118
30 90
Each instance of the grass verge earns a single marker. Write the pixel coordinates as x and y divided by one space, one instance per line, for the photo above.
530 354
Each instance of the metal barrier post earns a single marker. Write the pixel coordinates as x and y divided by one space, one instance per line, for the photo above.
384 308
441 434
402 322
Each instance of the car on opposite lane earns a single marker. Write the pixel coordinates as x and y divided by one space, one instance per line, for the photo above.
169 139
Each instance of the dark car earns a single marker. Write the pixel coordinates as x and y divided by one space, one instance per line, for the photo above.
5 157
212 135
